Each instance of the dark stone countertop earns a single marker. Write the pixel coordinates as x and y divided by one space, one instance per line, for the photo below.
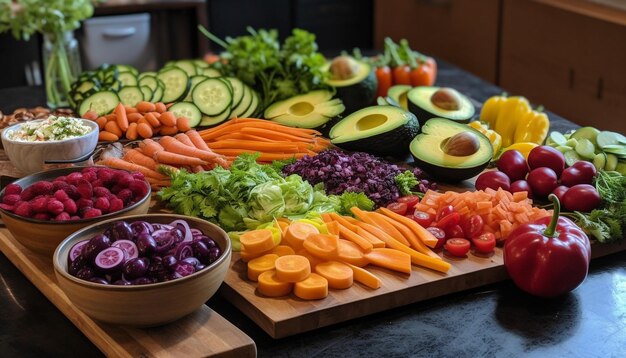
492 321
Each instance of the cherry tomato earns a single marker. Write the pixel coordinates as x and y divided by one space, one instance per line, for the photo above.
398 208
473 226
385 80
485 243
439 234
449 220
401 75
454 231
457 247
410 201
422 218
444 211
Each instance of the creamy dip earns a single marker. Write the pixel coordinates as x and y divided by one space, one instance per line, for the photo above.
50 129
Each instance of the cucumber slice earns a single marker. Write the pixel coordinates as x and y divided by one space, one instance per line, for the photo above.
253 106
200 63
149 81
585 148
86 86
211 72
157 95
557 138
572 142
101 102
611 162
237 87
618 150
564 148
246 100
208 121
186 66
212 96
147 93
571 157
194 82
589 133
127 79
126 68
187 110
146 74
130 95
599 161
176 83
610 138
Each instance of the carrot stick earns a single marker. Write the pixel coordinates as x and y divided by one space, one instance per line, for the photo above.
390 259
380 223
350 235
365 277
270 133
174 146
264 125
350 253
122 164
263 156
158 153
137 157
253 145
426 236
242 136
415 242
257 120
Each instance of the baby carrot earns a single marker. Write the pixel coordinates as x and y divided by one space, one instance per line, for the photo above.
160 107
134 117
144 130
131 133
122 120
93 115
145 106
183 124
152 120
107 136
102 121
168 119
114 128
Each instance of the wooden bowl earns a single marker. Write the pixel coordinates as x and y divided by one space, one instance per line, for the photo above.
42 236
143 305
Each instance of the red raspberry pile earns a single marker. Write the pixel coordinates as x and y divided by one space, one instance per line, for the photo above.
90 193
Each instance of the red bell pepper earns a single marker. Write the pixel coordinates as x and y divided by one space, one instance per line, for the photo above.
548 257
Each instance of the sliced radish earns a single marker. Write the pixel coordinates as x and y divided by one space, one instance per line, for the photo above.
110 259
76 250
129 248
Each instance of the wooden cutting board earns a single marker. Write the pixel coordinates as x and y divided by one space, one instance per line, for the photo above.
204 333
286 316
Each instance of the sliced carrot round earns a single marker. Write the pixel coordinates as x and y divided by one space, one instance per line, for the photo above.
261 264
323 246
350 253
314 287
292 268
297 232
257 241
282 250
271 286
339 275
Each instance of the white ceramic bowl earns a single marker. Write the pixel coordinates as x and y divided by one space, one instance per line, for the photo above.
30 157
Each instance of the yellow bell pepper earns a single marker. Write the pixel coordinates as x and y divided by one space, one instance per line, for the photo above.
493 136
533 128
514 109
522 147
490 110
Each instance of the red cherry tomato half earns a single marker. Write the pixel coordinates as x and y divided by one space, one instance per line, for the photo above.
457 247
423 218
439 234
473 226
444 211
449 220
398 208
409 200
454 231
485 242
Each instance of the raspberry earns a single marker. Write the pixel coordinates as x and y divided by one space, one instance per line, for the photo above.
125 180
7 207
89 170
75 217
103 204
59 185
116 204
73 178
139 188
62 178
42 216
90 175
92 213
24 209
40 204
12 189
84 189
63 216
125 194
60 195
101 191
11 199
70 206
55 207
72 192
42 187
106 175
83 203
115 189
97 184
138 175
27 194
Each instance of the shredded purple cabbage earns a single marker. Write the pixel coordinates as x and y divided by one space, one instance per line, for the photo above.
354 172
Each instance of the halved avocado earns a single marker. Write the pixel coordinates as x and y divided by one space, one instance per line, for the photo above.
380 130
432 151
354 80
399 94
309 110
439 102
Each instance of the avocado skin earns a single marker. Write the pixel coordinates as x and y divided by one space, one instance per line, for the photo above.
423 115
358 95
394 143
448 174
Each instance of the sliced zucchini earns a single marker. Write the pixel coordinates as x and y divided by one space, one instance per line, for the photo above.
176 83
130 95
194 82
103 102
187 110
212 96
585 148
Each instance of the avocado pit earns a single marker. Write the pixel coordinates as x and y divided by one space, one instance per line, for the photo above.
446 98
461 144
343 68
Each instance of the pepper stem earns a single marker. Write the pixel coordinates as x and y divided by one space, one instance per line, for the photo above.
551 230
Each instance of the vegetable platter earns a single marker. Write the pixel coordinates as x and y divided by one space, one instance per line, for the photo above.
203 333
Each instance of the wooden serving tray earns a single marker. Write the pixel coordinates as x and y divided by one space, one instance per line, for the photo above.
204 333
285 316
